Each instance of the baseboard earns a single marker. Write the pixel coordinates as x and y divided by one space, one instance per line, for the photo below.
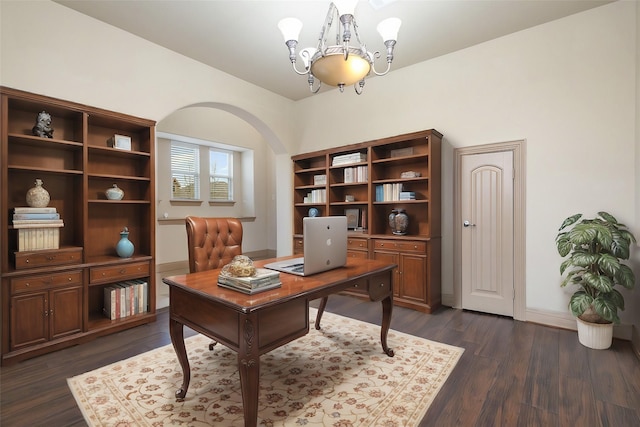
567 321
447 300
635 341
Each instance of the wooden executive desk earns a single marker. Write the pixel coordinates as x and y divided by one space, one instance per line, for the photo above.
256 324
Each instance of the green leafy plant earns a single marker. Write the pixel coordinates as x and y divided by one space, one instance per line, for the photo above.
595 248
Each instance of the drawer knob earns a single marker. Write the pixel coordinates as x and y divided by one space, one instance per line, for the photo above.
27 261
382 285
124 270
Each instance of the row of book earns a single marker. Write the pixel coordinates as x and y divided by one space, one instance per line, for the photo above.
389 192
125 299
262 281
38 228
357 174
316 196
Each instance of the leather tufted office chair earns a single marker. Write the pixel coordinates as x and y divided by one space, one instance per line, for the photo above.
212 242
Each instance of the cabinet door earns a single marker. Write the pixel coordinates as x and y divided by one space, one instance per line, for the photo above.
413 277
393 258
65 312
29 319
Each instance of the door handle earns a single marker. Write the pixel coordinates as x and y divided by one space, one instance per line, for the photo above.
468 224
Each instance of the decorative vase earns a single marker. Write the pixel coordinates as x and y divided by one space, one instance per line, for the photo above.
38 197
597 336
399 222
124 248
114 193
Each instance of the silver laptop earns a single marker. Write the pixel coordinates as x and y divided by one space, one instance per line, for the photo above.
325 247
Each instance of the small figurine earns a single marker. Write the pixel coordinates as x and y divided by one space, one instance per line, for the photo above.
43 125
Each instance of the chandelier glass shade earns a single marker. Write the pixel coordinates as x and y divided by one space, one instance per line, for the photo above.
342 63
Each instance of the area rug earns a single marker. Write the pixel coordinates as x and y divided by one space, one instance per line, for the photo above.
337 376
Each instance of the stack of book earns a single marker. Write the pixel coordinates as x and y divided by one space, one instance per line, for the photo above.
262 281
407 195
38 228
126 299
346 159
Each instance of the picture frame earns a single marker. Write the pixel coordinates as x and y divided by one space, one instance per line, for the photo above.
121 142
353 218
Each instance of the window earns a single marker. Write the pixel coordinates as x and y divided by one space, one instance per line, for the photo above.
220 174
185 167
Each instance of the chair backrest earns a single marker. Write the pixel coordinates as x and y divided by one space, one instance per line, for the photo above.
212 242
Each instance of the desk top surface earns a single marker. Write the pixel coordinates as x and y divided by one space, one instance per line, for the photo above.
205 284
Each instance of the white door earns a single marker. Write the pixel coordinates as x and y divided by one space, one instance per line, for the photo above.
487 234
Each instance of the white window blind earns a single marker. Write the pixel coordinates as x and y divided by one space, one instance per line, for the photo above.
185 167
220 174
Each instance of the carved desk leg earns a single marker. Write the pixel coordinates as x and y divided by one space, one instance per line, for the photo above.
176 331
387 308
323 305
249 368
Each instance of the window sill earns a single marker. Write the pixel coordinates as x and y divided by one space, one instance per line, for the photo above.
185 202
222 203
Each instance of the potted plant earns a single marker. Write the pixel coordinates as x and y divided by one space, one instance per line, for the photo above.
595 248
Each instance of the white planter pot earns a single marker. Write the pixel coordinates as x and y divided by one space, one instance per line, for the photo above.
595 335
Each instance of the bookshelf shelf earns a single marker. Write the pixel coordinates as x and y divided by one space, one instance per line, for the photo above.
77 166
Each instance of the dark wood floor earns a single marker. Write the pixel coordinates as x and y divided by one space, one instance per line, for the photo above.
511 373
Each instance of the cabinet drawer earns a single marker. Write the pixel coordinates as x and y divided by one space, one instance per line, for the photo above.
358 254
48 258
379 287
115 273
357 244
45 281
401 245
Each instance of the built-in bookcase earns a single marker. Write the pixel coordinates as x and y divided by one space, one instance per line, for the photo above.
410 162
53 298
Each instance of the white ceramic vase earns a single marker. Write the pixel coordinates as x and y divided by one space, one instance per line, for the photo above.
38 197
598 336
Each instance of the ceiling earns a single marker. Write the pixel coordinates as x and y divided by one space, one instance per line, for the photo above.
241 37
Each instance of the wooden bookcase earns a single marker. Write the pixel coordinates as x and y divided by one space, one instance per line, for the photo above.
54 298
417 254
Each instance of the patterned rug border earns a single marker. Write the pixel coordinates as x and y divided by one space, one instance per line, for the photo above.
384 407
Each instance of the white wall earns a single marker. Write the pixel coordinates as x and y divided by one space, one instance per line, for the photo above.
568 87
210 124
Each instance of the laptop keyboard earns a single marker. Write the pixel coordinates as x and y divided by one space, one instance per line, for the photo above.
296 268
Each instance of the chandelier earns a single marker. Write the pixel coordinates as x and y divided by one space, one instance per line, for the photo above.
339 64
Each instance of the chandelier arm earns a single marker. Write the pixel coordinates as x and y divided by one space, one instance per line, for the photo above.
322 40
311 81
373 68
301 73
291 45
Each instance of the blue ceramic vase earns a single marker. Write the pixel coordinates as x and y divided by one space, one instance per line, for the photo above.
124 248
